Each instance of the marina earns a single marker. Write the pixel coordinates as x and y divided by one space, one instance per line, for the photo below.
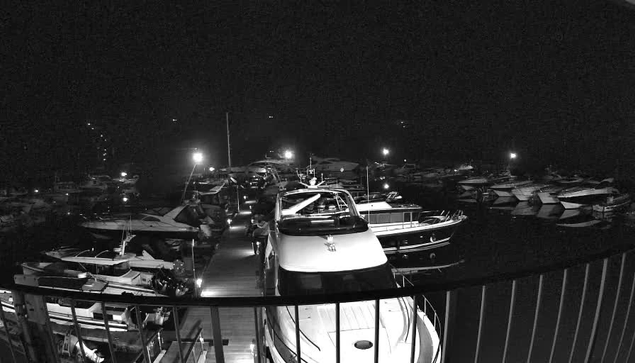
318 182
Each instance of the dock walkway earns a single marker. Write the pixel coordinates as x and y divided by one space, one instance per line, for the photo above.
232 271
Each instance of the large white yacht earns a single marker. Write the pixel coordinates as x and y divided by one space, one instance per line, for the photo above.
315 250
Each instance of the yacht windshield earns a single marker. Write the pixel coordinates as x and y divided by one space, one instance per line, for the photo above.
309 283
319 212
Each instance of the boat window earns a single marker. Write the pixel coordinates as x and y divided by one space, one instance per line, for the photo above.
415 216
309 283
396 217
151 219
383 218
406 217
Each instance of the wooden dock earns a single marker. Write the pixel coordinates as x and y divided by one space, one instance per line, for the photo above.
232 271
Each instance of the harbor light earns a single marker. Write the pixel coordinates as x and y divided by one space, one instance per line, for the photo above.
386 186
385 151
199 282
36 191
197 157
512 156
124 174
288 154
211 168
125 199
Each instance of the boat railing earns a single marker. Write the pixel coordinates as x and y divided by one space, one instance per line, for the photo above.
576 310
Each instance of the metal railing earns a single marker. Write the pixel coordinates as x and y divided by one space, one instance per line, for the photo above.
575 311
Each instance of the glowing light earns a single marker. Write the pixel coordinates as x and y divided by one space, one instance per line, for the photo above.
245 197
252 347
173 120
197 157
88 123
385 151
124 174
341 170
125 199
512 156
288 154
229 221
36 191
199 282
270 116
386 186
404 160
211 168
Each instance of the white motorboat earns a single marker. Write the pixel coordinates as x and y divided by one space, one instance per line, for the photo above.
182 222
582 196
405 228
90 315
329 251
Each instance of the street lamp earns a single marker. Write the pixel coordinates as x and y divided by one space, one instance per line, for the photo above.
198 158
211 168
288 154
385 152
512 156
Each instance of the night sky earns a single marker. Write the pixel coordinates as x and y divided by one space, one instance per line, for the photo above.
471 80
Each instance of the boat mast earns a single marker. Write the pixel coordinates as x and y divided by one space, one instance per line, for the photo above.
229 155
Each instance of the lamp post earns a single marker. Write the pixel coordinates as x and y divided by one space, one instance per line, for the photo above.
198 158
288 154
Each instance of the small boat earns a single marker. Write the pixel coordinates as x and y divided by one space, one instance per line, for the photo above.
613 203
580 221
582 196
405 228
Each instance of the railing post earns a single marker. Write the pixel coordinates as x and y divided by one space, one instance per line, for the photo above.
19 303
414 328
258 347
216 335
481 318
577 327
598 310
533 330
298 351
512 303
177 332
617 299
376 350
449 305
77 331
337 333
563 290
144 344
628 314
111 347
6 329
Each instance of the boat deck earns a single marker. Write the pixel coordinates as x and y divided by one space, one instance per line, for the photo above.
232 271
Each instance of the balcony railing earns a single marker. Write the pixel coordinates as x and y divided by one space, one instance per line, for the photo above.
576 311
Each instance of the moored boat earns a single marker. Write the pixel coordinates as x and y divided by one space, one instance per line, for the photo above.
405 228
613 203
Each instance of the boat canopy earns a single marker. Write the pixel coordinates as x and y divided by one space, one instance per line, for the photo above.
318 212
